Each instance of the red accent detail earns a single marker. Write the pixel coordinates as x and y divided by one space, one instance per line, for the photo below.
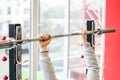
81 44
82 56
4 58
81 28
112 41
5 77
3 38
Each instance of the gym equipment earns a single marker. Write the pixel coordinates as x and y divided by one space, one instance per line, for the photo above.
9 43
15 50
15 53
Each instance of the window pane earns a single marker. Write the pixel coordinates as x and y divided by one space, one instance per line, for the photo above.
52 20
12 12
80 12
77 21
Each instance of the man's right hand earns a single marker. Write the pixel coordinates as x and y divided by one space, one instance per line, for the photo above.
46 40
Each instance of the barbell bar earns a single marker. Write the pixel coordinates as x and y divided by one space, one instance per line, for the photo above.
11 43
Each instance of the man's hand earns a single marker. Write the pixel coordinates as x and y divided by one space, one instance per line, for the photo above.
46 40
84 36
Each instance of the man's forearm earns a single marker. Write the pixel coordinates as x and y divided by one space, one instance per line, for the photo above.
91 63
46 66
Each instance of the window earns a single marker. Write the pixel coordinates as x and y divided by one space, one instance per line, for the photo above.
0 11
8 10
52 16
52 20
26 0
8 16
26 10
0 26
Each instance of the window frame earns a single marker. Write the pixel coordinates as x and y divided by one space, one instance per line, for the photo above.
34 46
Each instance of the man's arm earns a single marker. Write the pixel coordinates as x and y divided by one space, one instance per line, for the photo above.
90 59
45 62
91 63
46 66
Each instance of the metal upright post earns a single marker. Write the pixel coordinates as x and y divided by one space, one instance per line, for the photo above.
91 27
15 53
90 37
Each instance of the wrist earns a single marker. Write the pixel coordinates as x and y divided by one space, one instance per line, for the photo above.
85 42
42 49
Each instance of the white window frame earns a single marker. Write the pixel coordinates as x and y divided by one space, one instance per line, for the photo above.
34 46
103 40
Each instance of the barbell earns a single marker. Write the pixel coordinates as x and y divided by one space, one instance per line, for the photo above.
11 43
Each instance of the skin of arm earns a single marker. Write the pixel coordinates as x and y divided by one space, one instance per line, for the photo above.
45 62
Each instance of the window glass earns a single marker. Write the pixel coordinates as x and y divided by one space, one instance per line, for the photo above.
52 20
12 12
77 21
80 12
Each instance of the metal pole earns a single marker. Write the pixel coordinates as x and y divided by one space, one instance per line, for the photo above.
8 44
15 72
